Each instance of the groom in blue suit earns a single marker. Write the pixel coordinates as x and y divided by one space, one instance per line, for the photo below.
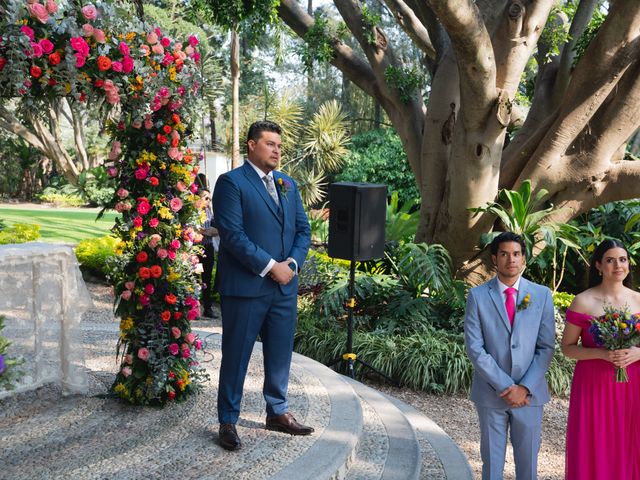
509 334
264 239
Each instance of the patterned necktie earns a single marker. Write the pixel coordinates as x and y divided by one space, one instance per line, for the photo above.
271 188
510 303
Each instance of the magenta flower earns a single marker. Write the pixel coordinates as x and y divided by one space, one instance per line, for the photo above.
174 349
46 45
144 207
154 222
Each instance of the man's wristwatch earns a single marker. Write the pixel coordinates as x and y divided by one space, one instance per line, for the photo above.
292 265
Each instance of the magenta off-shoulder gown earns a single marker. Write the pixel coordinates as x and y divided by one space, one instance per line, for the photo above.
603 429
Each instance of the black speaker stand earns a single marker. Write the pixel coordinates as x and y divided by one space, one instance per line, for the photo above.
349 357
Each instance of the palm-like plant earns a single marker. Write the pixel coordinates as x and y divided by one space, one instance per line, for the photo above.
522 213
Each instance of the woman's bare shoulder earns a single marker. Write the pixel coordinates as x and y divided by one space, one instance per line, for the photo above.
585 302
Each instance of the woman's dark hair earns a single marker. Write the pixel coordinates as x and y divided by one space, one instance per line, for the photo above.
507 237
256 129
595 278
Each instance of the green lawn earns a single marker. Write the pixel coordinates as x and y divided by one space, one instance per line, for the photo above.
60 225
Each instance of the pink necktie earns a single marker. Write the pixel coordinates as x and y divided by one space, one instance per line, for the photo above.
510 303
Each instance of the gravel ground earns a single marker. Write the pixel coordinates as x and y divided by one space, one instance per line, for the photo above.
456 415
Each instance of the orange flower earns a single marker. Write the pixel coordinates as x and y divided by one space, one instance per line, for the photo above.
104 63
155 271
144 273
165 316
170 298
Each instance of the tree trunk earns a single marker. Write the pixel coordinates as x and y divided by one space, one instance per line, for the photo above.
212 127
235 99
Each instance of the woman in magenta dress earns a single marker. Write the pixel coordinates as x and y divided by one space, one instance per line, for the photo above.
603 429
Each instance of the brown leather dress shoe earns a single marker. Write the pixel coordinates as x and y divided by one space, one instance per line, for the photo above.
288 424
228 437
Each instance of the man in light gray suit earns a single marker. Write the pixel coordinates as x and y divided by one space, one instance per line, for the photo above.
509 333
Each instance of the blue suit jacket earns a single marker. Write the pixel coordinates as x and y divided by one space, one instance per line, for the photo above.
502 356
252 231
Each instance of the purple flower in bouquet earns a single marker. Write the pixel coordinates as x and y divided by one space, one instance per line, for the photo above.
2 364
617 329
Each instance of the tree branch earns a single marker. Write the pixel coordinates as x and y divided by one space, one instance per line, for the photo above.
410 23
474 52
578 25
9 123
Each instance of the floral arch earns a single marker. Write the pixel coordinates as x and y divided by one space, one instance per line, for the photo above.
148 83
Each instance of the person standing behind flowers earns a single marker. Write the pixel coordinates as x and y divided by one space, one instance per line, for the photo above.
209 232
603 428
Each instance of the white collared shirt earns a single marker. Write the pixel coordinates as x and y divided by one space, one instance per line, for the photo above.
503 287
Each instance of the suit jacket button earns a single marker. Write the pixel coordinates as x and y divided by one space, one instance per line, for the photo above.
514 346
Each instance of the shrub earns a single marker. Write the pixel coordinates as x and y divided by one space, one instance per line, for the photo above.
94 252
50 195
19 233
377 156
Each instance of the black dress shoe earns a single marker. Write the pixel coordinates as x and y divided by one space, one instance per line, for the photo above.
288 424
228 437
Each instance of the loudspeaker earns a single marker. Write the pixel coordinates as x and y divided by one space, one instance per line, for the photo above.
357 215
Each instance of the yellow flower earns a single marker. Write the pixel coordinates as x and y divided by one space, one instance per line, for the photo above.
126 324
165 213
121 390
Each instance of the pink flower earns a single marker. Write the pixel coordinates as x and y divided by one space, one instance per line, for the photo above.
152 38
116 150
128 359
144 300
174 153
174 349
144 207
154 222
162 253
39 12
127 65
141 173
126 371
80 60
158 49
165 42
154 240
182 91
148 288
122 207
190 337
186 353
193 40
137 222
143 354
99 36
129 285
89 12
122 193
181 186
148 123
79 45
175 204
52 7
198 344
116 67
189 50
171 254
194 188
124 49
36 49
87 29
175 244
46 45
193 314
112 172
175 331
28 31
126 295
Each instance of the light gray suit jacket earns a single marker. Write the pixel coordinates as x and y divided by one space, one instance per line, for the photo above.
502 356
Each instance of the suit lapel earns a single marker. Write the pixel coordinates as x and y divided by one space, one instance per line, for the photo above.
260 187
496 296
523 291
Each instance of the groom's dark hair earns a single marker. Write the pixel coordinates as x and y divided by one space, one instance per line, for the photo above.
507 237
256 129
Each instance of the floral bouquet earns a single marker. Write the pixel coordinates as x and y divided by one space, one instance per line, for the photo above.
615 330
